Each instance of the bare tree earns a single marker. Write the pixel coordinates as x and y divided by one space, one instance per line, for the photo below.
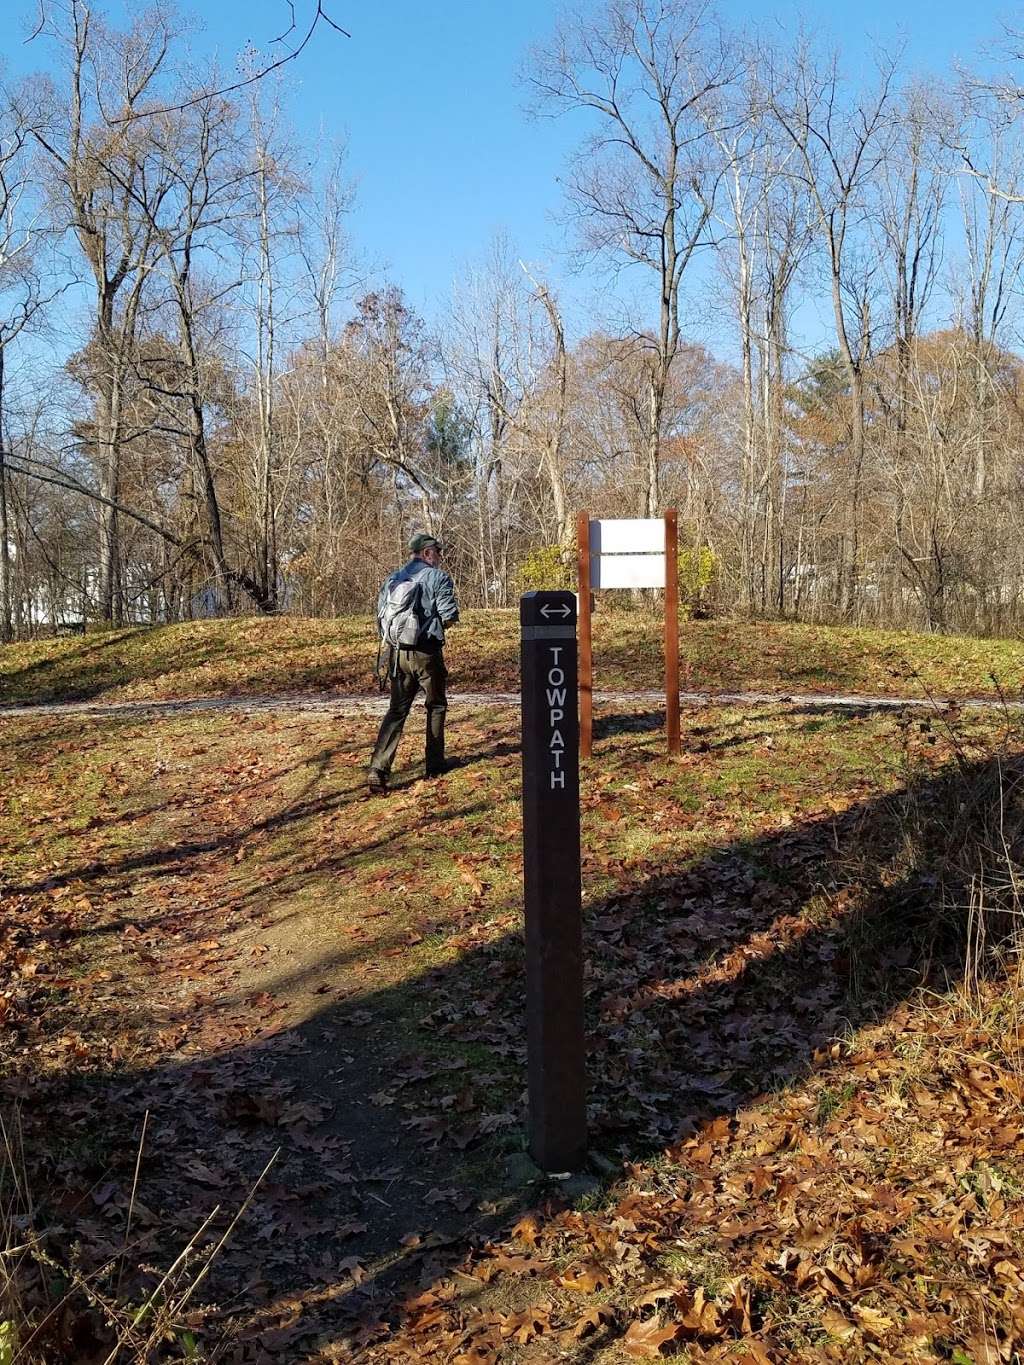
195 155
997 101
322 502
99 161
325 251
912 185
785 241
911 193
25 292
209 177
985 289
270 239
389 395
742 205
764 220
288 45
993 227
840 149
552 429
643 185
490 357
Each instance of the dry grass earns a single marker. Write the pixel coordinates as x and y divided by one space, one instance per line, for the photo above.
52 1310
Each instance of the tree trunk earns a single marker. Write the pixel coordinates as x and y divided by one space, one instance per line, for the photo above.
266 532
6 609
851 540
848 565
775 443
110 596
655 406
748 513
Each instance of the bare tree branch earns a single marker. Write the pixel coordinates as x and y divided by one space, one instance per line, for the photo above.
134 115
45 473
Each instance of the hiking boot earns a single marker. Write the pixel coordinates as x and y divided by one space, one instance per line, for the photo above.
443 768
376 782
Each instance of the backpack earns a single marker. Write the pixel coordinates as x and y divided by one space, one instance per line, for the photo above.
401 619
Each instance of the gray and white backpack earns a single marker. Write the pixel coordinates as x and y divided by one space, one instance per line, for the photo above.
401 618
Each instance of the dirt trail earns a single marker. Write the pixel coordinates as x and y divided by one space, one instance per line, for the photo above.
349 704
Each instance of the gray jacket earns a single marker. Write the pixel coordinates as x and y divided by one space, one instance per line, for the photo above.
437 597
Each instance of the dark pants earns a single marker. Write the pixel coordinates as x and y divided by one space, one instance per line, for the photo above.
416 668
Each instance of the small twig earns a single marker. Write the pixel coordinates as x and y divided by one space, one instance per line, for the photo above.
246 81
77 1283
131 1202
39 27
291 27
22 1191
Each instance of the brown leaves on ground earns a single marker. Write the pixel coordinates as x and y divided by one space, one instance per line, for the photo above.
827 1262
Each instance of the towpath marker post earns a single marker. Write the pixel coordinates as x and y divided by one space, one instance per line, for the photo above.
551 871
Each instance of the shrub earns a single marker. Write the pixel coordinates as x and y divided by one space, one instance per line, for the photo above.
545 569
698 569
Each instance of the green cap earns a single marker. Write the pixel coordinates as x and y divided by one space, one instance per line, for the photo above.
421 542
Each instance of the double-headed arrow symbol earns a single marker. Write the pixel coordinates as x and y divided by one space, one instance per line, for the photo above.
563 610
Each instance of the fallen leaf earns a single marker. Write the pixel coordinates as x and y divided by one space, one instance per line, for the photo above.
645 1340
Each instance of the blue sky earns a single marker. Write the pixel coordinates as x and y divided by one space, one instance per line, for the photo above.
430 102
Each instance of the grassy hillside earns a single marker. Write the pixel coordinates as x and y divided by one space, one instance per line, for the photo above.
256 656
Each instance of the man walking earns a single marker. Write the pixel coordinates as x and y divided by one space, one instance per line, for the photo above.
414 606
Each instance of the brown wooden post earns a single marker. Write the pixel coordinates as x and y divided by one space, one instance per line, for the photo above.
672 629
586 650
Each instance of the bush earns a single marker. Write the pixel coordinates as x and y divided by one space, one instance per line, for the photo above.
698 569
546 569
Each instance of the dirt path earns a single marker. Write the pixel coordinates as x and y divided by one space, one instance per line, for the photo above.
349 704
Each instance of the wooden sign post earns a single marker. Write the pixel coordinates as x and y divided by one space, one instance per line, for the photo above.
552 882
638 552
672 629
586 647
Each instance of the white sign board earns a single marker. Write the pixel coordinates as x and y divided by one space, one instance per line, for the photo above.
628 571
627 553
629 536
